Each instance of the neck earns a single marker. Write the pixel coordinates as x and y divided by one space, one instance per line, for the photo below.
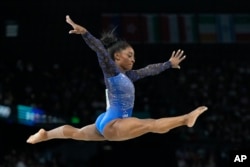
120 68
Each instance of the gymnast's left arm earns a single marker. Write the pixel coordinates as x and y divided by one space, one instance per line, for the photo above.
153 69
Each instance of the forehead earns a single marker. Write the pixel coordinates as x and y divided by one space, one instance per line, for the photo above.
128 50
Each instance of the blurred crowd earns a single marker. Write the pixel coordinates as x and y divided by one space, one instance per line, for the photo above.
78 90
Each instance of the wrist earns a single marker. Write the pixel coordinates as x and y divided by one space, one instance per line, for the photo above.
168 64
171 63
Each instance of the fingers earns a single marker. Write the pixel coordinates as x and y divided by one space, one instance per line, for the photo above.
72 31
178 54
69 21
176 58
182 58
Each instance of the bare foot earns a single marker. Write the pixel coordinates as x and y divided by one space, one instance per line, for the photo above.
40 136
193 115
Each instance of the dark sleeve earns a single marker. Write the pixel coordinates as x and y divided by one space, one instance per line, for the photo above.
107 65
150 70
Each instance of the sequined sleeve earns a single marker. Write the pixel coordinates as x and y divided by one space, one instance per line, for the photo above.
106 63
150 70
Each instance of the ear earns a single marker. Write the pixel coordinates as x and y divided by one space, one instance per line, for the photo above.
117 56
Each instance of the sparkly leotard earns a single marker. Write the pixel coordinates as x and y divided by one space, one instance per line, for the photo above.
120 91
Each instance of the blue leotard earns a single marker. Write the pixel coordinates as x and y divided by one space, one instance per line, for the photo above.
120 91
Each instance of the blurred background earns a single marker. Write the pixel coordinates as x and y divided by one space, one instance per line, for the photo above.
50 78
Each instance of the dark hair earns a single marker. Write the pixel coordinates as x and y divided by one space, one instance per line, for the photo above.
112 43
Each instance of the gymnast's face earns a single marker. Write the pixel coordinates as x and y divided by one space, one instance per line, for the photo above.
125 58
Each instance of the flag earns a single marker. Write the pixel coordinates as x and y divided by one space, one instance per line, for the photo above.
152 28
169 28
188 28
242 27
133 27
225 28
207 28
161 28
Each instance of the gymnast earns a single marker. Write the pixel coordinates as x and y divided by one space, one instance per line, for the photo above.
116 58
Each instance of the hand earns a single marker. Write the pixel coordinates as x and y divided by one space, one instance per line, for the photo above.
177 58
77 29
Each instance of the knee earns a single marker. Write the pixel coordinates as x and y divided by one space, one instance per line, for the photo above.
70 131
76 134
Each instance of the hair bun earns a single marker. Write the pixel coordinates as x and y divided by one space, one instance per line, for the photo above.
109 38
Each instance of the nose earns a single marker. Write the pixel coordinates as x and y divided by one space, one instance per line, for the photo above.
133 60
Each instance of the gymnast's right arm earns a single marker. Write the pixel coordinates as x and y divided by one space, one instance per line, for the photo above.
91 41
107 64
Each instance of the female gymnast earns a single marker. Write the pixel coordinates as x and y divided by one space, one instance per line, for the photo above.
116 59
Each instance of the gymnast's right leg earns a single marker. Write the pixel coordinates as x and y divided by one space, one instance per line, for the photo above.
129 128
86 133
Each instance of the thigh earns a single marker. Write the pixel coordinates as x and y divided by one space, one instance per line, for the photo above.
91 133
105 118
127 128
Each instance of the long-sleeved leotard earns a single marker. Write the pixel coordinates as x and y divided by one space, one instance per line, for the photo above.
120 91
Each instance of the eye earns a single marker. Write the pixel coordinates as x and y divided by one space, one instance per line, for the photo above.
131 56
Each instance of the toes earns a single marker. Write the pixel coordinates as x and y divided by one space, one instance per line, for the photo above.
29 140
203 108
